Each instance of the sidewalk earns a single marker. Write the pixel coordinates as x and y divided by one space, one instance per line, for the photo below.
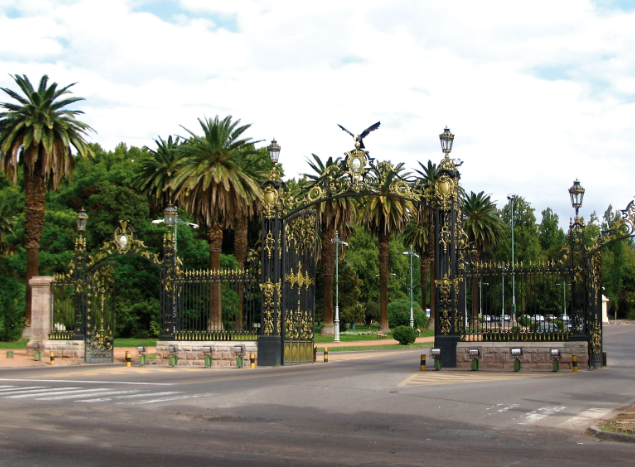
22 360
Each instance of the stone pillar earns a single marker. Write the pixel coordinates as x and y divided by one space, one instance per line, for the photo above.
41 312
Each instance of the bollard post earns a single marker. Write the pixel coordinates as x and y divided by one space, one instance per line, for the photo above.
556 365
128 359
208 361
326 355
314 354
252 360
10 354
423 362
516 365
52 357
574 363
475 364
37 356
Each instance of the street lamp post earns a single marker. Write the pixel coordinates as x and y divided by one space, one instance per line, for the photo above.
480 297
171 217
512 198
338 242
564 300
411 253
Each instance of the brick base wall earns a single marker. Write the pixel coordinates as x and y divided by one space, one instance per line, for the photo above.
536 355
191 353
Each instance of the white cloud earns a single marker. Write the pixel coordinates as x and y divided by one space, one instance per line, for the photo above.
537 93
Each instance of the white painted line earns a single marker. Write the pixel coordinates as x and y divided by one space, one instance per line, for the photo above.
587 416
539 414
84 393
6 387
145 394
39 392
506 408
16 388
167 399
25 391
86 382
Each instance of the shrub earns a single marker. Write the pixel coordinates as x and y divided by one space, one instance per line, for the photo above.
399 314
524 321
404 335
371 312
559 323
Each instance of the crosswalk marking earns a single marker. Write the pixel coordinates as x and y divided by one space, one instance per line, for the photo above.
95 395
433 378
154 394
539 414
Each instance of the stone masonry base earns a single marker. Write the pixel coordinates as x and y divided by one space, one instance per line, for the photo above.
536 355
66 351
191 353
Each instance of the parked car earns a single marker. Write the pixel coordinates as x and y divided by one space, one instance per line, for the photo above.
551 317
538 318
505 317
564 318
488 318
547 327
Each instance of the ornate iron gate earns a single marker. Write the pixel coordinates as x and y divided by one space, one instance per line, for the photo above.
100 314
298 289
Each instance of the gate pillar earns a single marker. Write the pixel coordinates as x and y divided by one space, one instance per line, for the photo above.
270 339
449 241
42 312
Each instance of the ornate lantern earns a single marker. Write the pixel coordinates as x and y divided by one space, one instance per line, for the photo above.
274 151
577 194
82 220
170 215
447 138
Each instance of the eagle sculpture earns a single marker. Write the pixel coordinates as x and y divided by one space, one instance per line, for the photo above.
359 139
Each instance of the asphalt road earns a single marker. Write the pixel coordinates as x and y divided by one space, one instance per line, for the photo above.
371 408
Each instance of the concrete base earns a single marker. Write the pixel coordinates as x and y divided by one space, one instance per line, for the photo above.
191 353
67 351
536 355
270 350
328 330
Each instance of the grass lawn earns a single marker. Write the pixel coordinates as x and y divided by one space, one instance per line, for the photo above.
132 342
19 345
376 347
360 337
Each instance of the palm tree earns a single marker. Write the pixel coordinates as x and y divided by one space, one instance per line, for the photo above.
213 186
333 215
386 216
156 171
484 228
428 178
37 134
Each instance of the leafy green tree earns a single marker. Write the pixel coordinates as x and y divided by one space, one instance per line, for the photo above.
8 216
37 134
213 185
526 238
552 238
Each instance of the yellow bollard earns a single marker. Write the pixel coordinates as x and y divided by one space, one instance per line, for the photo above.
128 359
574 363
52 357
252 360
326 355
423 362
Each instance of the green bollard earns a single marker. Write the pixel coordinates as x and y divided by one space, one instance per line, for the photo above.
516 365
37 356
437 364
10 354
556 365
239 362
475 364
208 362
173 361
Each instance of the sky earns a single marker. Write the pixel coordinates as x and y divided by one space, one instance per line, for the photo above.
537 93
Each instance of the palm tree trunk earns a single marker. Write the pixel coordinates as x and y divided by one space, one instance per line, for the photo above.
35 199
328 267
215 239
240 251
384 247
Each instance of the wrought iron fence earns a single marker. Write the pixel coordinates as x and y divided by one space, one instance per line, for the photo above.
217 305
64 314
536 302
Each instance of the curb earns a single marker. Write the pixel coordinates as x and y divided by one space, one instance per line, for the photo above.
609 436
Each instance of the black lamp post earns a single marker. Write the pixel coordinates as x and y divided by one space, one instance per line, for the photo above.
82 220
577 194
170 215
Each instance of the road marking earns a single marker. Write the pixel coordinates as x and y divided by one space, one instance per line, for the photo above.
72 394
584 418
87 382
38 392
433 378
145 394
539 414
168 399
26 389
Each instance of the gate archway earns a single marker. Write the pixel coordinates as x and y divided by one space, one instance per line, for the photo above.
288 284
